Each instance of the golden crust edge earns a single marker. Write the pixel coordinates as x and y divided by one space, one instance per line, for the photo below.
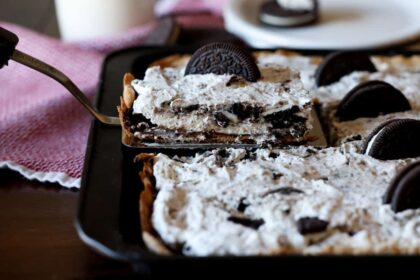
146 200
400 62
127 137
126 103
175 60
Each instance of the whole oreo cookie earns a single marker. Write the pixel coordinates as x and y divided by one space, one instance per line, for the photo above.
404 191
339 64
271 13
394 139
223 58
371 99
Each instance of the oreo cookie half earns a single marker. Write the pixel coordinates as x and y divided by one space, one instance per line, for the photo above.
274 14
338 64
394 139
223 58
404 191
371 99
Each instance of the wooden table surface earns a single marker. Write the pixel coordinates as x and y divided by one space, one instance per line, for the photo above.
37 237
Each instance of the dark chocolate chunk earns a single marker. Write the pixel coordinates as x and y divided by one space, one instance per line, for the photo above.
283 191
354 138
250 155
221 119
404 191
223 153
243 111
186 109
271 13
136 121
141 126
308 225
242 205
285 118
276 175
339 64
223 58
371 99
185 249
394 139
221 156
254 224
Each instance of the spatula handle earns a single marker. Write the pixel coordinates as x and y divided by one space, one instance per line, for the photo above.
8 42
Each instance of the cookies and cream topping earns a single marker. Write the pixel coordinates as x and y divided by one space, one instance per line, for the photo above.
164 94
298 200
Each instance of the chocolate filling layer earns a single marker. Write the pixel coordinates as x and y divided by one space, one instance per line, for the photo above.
286 118
136 122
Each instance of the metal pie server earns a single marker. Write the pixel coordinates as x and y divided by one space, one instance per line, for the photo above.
167 30
8 43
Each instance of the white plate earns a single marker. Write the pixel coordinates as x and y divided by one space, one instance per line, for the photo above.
344 24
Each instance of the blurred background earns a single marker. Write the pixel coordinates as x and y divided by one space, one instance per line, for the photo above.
342 24
38 15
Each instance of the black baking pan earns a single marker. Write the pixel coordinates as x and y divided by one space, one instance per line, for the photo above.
108 219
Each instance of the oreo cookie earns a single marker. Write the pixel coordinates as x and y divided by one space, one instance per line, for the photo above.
394 139
273 13
223 58
339 64
371 99
404 191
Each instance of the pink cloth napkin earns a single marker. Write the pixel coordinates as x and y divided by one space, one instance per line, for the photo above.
43 129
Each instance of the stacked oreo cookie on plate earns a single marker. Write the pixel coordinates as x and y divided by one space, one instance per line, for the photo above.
289 13
359 196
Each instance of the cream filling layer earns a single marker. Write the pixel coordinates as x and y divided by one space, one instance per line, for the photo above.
279 89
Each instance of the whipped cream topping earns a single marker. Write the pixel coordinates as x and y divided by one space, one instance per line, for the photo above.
360 128
330 96
401 72
198 196
407 82
404 76
306 66
305 5
278 89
